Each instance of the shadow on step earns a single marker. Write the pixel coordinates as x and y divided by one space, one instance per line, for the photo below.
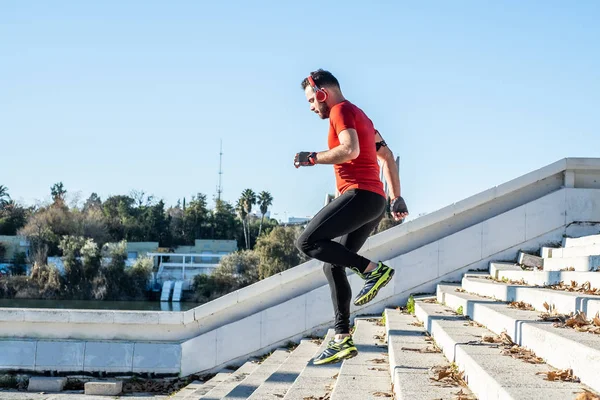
371 348
283 377
242 391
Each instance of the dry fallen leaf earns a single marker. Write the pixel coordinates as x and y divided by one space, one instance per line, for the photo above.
489 339
587 395
597 319
521 305
443 374
565 375
377 369
378 361
578 320
547 306
382 394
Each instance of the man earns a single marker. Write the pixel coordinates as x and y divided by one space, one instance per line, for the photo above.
339 230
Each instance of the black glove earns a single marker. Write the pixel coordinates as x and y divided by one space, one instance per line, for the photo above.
305 159
399 206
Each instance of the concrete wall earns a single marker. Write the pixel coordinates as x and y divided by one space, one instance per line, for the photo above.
526 213
142 248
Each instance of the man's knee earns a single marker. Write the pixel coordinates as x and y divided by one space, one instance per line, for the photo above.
302 243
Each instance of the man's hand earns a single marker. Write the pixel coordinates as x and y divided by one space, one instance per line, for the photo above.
305 159
398 208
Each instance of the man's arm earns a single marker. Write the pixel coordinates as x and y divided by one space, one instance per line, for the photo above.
347 150
390 170
391 174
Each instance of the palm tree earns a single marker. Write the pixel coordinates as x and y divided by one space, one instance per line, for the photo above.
264 201
241 210
4 196
248 199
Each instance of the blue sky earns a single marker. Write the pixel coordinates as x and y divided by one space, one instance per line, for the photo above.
118 95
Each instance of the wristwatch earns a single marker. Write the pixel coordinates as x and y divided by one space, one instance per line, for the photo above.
312 158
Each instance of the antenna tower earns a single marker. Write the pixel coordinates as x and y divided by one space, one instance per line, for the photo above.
220 187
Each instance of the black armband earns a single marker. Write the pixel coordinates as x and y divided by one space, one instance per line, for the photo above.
379 145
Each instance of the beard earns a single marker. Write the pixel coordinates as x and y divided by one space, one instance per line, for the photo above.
324 111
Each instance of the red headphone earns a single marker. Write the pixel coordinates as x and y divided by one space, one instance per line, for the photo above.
320 94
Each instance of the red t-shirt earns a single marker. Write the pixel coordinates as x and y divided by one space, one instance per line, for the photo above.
363 171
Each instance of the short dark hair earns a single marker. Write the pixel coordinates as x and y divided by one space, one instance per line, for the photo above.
322 78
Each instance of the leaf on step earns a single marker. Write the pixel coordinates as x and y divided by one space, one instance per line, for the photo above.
460 290
565 375
378 361
489 339
382 394
521 305
547 306
577 321
461 395
443 374
417 323
377 369
587 395
597 319
378 337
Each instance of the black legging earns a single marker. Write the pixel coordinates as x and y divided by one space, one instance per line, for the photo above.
350 218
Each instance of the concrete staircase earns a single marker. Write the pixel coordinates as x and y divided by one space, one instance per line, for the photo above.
496 335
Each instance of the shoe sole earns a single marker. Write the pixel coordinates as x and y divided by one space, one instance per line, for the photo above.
342 355
373 292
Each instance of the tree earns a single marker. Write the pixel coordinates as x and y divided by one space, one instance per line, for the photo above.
196 219
74 275
248 200
93 202
264 201
277 251
242 265
4 196
223 221
58 193
12 218
241 211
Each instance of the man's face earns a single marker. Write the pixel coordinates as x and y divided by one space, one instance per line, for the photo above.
321 109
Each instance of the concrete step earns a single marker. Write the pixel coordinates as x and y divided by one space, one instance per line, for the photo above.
228 384
583 264
366 376
195 391
563 348
412 359
563 301
189 390
496 267
565 252
103 388
278 384
581 241
543 278
253 381
315 381
489 374
46 384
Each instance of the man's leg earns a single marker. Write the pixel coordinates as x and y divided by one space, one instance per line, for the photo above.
344 215
341 295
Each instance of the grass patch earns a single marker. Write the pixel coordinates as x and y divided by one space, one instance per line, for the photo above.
459 310
410 305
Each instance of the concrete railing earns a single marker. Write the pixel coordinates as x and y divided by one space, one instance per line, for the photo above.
525 213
